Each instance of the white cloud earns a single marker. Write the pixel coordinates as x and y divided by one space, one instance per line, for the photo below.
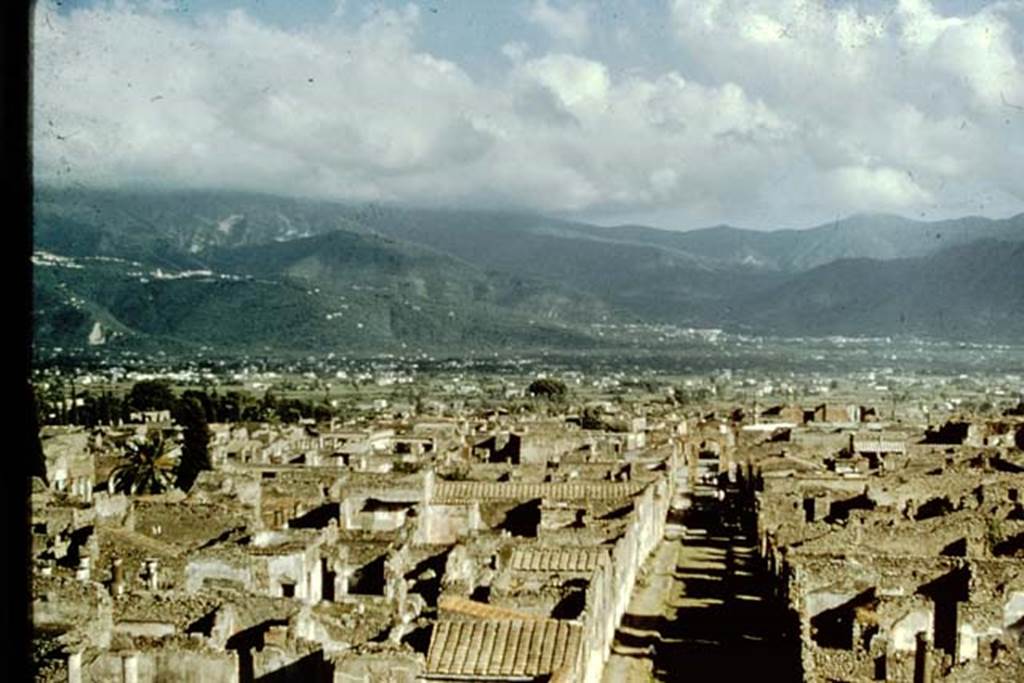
878 96
515 50
888 188
575 81
664 181
801 110
570 25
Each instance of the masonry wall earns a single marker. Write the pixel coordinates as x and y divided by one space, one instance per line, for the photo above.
162 665
446 523
612 583
964 608
399 667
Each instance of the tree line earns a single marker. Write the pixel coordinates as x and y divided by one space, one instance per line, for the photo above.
65 404
147 467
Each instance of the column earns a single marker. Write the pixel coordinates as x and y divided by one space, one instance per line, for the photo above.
130 668
116 577
75 667
923 659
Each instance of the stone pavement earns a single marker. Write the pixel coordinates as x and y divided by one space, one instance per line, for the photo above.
701 612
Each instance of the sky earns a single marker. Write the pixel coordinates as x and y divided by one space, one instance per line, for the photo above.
673 113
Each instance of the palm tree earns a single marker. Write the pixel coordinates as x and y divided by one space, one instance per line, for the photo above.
148 467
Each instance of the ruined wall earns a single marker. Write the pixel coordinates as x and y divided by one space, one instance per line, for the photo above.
366 667
611 584
70 465
205 568
64 603
300 570
870 614
439 524
163 664
539 447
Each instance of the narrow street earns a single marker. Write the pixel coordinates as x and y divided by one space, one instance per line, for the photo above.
701 613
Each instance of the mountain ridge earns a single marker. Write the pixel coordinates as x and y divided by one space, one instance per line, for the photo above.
422 277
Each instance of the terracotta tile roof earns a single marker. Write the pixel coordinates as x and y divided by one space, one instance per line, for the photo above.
502 648
453 491
556 559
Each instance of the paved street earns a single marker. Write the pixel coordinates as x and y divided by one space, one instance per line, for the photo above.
701 612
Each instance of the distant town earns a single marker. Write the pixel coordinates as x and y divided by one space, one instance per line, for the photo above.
424 519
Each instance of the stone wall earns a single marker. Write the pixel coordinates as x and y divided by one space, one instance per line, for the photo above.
162 664
447 523
867 614
611 584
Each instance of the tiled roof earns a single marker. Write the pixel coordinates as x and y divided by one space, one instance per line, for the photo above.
501 648
556 560
482 610
582 490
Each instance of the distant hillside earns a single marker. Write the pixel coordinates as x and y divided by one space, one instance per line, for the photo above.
876 236
181 221
965 292
342 261
254 314
238 270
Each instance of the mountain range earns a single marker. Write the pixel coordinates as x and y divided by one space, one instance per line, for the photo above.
242 272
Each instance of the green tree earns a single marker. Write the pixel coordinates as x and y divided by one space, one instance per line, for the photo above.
151 395
195 451
553 389
419 405
147 467
592 418
204 399
74 415
322 412
107 408
230 406
269 407
254 413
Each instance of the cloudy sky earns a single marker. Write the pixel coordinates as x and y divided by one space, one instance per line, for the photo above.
676 113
